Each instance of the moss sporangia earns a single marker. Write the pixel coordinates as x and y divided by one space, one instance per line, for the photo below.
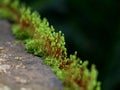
41 39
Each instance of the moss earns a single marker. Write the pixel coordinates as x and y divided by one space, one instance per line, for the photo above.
42 40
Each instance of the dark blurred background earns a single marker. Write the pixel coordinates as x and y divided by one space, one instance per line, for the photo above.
91 27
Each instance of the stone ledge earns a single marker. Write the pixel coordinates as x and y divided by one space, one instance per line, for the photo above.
20 70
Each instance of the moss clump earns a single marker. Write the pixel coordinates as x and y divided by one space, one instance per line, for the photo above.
42 40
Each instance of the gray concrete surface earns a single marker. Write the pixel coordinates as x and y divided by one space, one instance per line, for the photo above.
20 70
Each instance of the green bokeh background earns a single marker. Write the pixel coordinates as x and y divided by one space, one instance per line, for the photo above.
91 27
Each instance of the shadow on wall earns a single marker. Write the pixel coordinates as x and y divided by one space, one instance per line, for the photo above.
92 28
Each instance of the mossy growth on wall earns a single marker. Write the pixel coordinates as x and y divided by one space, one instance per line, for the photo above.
41 39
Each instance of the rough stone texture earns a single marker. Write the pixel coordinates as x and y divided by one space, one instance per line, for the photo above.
20 70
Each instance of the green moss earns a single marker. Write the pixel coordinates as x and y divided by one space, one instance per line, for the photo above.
19 34
42 40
